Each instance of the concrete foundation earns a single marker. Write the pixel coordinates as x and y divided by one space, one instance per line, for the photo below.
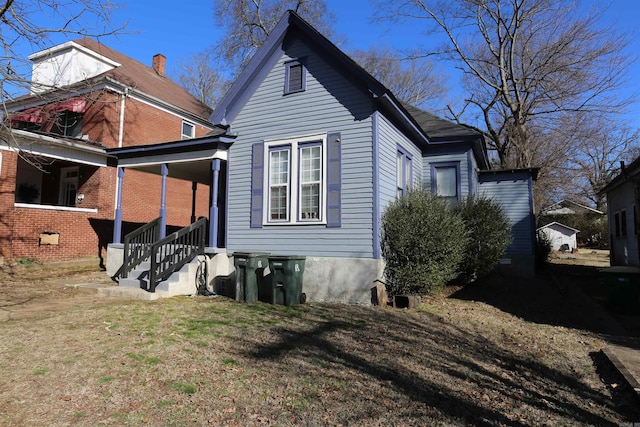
341 280
115 258
517 265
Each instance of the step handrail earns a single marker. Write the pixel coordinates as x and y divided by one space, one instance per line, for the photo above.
174 251
137 246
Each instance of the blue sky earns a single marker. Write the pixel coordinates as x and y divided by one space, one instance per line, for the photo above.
178 32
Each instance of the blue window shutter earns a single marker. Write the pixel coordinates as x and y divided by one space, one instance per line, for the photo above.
334 180
257 184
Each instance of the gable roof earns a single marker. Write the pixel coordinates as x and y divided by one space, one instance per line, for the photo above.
556 224
562 209
424 127
139 78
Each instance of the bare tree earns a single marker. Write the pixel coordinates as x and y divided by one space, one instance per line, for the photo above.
413 80
203 77
526 65
28 24
248 23
603 142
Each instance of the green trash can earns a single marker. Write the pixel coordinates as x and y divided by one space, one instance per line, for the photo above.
249 274
623 287
286 280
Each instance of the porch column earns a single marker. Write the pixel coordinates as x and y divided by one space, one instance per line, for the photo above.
194 189
164 171
117 222
213 209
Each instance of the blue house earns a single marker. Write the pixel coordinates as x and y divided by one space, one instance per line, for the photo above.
309 152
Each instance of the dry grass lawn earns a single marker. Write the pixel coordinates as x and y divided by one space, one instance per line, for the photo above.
528 357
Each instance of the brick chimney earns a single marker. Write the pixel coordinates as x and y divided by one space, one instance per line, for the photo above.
158 64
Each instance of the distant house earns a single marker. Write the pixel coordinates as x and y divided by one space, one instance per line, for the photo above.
313 151
58 185
560 236
622 212
591 222
569 207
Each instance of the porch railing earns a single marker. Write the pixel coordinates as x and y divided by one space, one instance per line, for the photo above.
174 251
137 246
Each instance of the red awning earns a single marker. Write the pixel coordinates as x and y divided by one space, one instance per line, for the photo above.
76 105
33 115
37 114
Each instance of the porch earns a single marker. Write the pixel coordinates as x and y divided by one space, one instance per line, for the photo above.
148 257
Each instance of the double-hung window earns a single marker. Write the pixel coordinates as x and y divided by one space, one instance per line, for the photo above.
296 180
403 172
279 160
310 181
445 181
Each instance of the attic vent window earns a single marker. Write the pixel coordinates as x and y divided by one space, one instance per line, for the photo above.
188 130
295 77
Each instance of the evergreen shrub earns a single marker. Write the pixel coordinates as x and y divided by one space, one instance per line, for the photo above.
543 250
489 235
423 242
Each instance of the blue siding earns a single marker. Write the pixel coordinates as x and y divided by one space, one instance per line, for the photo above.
330 103
512 192
390 138
448 153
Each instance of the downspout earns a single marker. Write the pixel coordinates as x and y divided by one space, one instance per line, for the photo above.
122 106
123 98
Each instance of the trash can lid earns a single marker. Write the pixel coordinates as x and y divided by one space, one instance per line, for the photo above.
286 257
250 254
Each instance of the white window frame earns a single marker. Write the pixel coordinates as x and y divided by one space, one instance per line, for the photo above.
456 166
193 130
404 172
294 186
64 180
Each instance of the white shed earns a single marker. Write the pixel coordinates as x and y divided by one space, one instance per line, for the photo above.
559 234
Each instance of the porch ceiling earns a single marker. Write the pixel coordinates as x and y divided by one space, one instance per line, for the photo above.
188 160
195 171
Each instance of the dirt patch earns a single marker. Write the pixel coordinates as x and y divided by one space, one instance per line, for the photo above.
33 289
584 257
502 352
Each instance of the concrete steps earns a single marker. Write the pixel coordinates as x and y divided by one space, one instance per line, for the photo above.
219 268
182 282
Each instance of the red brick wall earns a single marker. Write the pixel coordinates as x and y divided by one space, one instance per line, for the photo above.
85 234
143 123
8 168
141 199
82 234
79 234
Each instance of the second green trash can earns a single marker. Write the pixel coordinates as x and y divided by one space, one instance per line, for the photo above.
623 287
249 274
286 280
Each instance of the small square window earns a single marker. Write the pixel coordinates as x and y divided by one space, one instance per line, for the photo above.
188 130
295 77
